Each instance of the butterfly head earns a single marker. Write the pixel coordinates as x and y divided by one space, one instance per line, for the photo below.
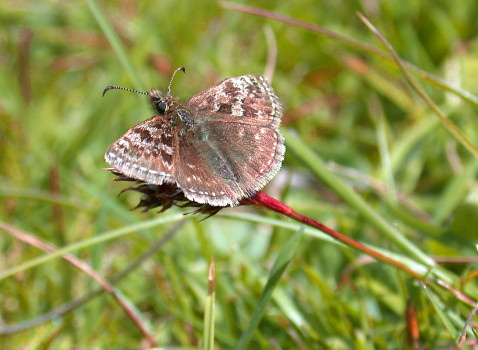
162 101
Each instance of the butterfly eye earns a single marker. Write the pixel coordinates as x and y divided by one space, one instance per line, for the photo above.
160 106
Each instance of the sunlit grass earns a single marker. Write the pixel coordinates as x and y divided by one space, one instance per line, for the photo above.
365 156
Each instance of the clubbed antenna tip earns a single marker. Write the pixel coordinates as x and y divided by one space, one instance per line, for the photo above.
112 87
177 70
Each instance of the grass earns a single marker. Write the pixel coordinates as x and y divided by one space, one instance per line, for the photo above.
365 155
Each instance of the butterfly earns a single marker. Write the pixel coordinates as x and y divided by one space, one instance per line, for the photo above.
221 146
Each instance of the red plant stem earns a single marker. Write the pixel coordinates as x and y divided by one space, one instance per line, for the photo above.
263 200
413 330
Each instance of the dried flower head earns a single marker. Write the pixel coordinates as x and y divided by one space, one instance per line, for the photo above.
163 196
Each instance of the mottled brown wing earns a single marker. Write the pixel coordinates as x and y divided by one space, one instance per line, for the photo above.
232 161
248 99
204 175
256 152
146 152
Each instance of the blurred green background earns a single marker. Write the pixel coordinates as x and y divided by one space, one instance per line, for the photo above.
351 108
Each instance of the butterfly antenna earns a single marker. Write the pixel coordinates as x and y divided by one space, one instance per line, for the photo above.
177 70
112 87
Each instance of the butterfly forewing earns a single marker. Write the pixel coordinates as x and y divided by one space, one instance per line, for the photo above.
146 152
248 99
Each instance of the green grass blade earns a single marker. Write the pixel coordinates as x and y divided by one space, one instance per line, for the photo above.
209 314
459 135
455 192
315 163
439 309
107 236
115 42
277 271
